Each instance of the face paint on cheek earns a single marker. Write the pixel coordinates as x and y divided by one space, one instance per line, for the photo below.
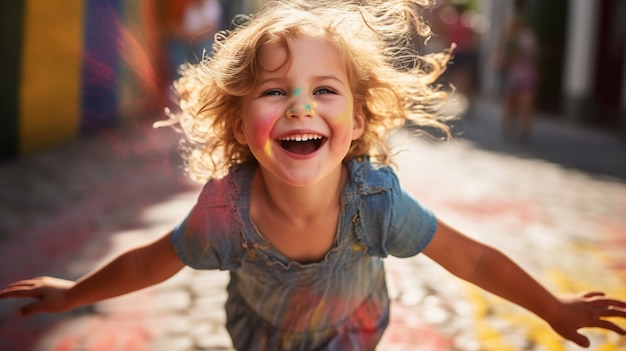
263 132
263 143
340 119
268 148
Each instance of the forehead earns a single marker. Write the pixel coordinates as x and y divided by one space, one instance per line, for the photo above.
305 50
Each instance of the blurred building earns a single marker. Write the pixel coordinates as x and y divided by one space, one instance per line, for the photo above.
78 67
71 68
582 60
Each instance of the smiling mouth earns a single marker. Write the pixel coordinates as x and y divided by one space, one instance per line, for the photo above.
302 144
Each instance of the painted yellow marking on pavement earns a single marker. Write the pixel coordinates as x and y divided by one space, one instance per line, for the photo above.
493 337
490 338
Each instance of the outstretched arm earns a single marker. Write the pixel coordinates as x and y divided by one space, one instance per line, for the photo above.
133 270
491 270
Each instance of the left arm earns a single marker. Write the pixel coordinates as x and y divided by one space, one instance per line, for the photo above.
493 271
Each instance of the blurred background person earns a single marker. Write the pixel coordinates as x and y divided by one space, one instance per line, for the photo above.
457 29
519 76
201 20
190 28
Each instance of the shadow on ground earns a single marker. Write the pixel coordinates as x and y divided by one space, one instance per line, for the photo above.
599 152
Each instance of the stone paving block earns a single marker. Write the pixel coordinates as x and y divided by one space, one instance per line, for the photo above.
172 301
207 337
167 324
178 343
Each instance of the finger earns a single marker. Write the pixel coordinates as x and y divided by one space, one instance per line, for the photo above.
31 308
20 283
612 312
605 302
591 294
617 303
604 324
17 285
19 292
580 339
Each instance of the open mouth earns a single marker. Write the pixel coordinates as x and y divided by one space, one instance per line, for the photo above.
302 144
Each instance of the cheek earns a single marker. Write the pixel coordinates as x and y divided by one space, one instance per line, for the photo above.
267 149
341 119
262 131
342 126
342 123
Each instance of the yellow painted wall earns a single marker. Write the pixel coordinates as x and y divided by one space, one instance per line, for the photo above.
50 74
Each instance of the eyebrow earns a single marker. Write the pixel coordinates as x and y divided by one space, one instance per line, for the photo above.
316 78
335 78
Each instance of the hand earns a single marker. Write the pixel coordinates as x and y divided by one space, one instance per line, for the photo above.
587 310
51 294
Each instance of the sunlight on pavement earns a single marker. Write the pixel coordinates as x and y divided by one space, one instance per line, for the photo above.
552 221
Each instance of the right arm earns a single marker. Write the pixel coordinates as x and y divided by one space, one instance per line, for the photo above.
492 271
133 270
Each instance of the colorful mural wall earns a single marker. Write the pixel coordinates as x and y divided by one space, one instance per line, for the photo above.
75 67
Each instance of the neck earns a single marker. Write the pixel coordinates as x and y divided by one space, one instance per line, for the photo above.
300 202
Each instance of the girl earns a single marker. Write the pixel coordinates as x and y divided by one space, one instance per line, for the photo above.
287 120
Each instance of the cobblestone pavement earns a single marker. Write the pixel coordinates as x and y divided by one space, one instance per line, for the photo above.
66 211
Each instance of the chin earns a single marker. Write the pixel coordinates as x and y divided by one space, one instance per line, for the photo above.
301 181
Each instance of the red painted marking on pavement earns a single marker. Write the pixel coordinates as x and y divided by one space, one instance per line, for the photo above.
124 174
519 209
406 332
66 344
494 207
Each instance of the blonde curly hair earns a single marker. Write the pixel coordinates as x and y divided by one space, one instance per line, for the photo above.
392 84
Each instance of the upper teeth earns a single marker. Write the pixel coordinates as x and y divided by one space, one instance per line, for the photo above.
302 137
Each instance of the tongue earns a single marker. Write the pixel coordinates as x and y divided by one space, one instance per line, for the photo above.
300 147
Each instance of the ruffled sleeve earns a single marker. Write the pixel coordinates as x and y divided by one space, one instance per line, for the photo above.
210 236
390 220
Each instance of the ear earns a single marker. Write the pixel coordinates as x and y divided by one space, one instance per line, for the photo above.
239 130
358 124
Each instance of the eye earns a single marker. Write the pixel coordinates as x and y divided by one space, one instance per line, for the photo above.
273 92
324 90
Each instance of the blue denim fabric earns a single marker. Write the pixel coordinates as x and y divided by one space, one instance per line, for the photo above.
338 303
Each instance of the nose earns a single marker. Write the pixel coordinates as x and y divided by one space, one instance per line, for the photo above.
298 109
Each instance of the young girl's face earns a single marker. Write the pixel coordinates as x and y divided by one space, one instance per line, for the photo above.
300 120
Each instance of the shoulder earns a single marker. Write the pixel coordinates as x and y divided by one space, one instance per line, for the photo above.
228 189
369 178
390 221
210 236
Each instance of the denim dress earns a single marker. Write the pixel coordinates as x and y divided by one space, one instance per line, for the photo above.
337 303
